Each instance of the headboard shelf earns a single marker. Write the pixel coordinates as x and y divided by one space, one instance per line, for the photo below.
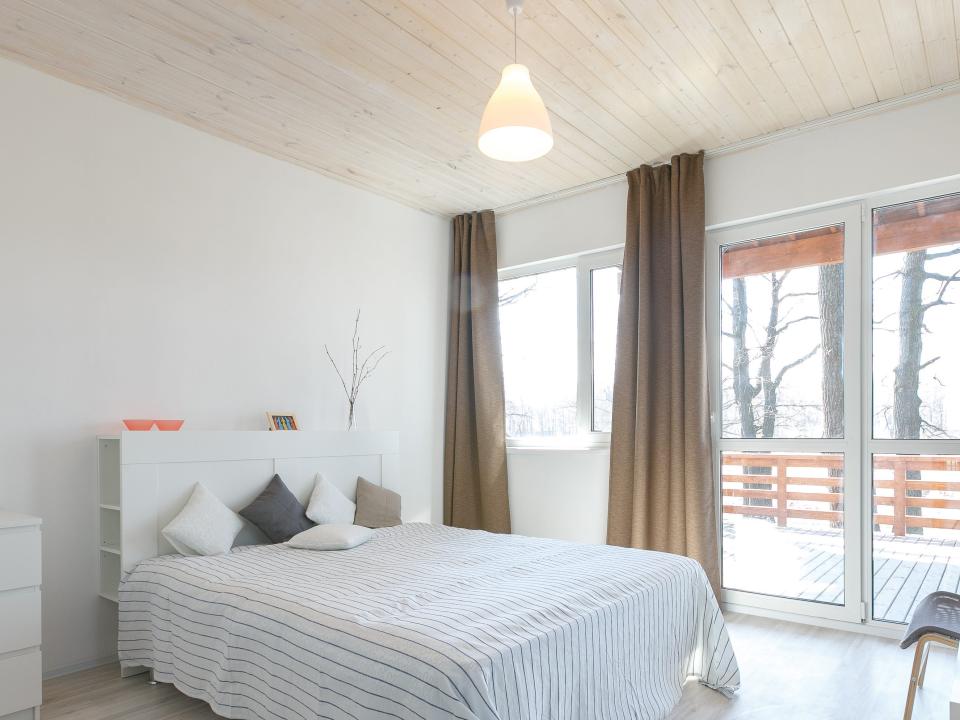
217 446
146 477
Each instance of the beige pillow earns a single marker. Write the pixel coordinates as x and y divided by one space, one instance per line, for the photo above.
377 507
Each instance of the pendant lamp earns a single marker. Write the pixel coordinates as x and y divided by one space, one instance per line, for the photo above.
515 126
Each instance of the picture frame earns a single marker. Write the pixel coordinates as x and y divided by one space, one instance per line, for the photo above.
282 421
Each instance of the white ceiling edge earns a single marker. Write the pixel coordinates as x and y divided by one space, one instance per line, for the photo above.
865 111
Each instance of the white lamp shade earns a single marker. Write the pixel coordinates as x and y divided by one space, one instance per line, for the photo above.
515 125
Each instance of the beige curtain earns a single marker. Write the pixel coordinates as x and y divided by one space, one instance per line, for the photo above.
661 483
475 454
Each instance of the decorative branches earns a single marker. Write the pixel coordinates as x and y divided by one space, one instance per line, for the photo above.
361 370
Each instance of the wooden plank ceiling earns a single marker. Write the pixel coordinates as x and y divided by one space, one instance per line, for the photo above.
387 94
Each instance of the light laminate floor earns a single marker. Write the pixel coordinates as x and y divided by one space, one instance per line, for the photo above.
798 672
790 672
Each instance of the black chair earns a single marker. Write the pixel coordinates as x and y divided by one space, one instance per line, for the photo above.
936 619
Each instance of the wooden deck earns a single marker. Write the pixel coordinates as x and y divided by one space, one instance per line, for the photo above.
807 564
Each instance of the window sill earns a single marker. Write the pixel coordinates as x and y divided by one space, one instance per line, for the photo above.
565 448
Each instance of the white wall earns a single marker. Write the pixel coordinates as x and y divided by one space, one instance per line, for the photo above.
150 270
903 146
559 493
579 223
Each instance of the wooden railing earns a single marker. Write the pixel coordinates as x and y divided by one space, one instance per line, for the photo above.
791 481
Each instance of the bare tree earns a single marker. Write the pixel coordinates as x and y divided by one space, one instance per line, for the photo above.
908 419
768 382
744 391
765 382
510 297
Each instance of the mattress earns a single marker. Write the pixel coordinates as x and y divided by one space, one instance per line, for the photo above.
426 621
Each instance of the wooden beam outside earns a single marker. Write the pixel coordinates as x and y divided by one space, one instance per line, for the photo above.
918 233
824 246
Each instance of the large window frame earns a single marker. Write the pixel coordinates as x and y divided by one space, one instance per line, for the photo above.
885 446
848 445
584 263
858 444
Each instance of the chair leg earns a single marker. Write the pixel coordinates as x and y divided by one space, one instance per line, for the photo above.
932 638
923 665
914 675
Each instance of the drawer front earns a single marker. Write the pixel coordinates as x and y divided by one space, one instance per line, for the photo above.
19 620
20 678
19 558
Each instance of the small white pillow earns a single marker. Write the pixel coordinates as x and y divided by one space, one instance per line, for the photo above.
331 537
328 505
205 526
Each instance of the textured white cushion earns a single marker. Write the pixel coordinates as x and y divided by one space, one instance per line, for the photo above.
328 505
205 526
331 537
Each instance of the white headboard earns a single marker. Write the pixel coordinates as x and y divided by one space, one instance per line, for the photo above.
157 472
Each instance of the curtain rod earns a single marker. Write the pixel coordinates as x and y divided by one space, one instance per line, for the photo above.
865 111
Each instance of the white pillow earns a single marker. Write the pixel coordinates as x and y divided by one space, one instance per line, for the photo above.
328 505
331 537
205 526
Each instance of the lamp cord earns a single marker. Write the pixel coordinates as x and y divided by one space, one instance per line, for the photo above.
515 38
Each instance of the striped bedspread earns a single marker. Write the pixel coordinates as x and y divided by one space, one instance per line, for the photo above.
426 621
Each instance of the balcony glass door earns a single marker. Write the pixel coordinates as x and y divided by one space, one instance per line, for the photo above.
914 447
785 399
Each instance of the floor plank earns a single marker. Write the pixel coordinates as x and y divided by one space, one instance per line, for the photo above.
789 671
797 672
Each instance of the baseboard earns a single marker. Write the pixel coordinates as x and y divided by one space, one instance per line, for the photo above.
77 667
885 630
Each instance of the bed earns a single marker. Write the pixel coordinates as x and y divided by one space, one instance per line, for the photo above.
427 621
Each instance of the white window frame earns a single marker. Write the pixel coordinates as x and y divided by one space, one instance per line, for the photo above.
848 446
584 263
858 444
872 446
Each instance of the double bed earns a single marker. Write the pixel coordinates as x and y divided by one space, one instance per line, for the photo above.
427 621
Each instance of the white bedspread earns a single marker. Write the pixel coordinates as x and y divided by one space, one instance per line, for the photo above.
427 622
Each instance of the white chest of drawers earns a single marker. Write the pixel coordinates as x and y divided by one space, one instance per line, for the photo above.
20 665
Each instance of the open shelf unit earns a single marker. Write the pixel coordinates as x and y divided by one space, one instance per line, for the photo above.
111 519
144 478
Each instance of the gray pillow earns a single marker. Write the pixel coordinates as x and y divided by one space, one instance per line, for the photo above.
377 507
277 512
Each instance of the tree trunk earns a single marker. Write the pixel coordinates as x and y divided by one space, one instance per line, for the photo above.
830 296
906 387
768 423
743 390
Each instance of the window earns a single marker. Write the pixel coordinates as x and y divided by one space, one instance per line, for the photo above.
782 346
781 373
916 403
916 531
604 307
538 332
783 524
558 327
916 288
835 374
